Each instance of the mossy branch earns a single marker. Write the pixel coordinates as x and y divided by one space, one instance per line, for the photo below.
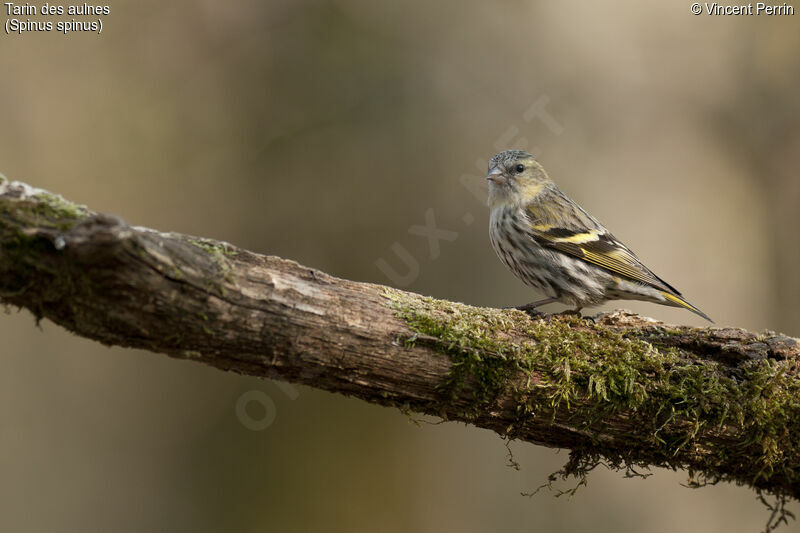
624 390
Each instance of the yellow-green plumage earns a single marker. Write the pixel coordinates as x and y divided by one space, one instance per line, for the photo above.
553 245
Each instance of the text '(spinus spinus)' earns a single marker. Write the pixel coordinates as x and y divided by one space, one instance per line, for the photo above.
556 247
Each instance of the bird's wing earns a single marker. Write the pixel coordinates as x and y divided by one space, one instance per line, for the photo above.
598 247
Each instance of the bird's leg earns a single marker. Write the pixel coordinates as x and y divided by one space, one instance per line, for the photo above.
531 307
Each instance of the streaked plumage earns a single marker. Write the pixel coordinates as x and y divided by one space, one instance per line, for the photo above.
554 246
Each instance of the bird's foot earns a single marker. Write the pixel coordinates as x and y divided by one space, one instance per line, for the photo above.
530 309
573 312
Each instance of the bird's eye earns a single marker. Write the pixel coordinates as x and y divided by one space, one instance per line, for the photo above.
519 168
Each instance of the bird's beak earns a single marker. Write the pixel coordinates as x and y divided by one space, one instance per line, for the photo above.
496 176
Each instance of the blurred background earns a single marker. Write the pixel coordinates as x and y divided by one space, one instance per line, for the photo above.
324 131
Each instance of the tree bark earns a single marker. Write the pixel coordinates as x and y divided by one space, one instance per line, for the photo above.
620 389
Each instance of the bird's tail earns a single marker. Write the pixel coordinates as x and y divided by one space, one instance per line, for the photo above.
678 301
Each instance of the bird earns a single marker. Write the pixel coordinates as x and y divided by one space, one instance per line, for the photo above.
554 246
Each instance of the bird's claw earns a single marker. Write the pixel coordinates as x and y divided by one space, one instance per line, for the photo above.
530 310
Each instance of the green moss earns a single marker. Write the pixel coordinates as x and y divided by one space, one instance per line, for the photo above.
677 403
44 210
54 206
213 247
484 359
220 253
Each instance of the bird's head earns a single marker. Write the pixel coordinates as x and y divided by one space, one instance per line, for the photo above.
515 177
